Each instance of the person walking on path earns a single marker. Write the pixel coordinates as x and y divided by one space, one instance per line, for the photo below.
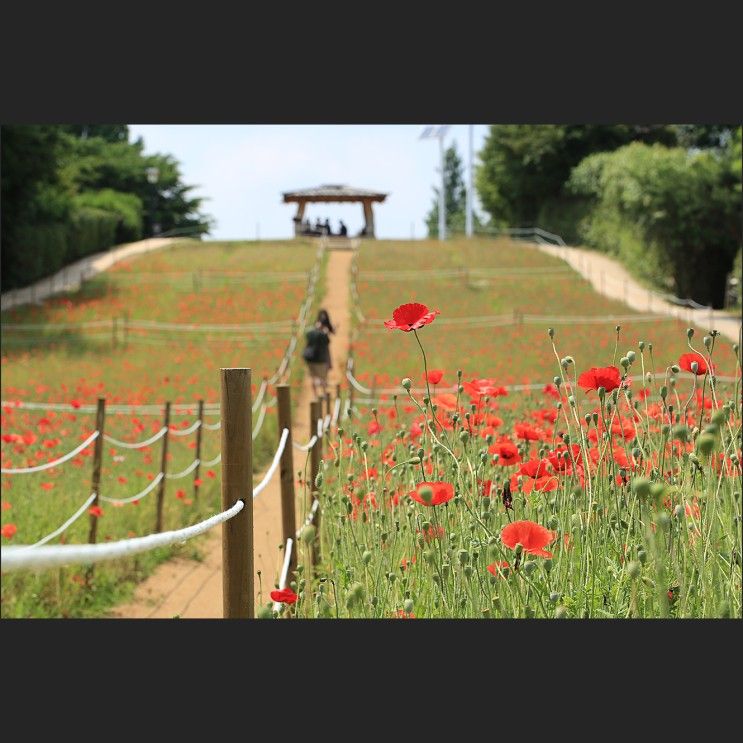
317 352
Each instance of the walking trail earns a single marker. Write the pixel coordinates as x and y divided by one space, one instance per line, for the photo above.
72 276
610 278
191 589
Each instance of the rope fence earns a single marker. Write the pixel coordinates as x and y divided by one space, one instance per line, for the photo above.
40 467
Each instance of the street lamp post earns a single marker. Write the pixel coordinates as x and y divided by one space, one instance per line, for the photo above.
153 173
438 132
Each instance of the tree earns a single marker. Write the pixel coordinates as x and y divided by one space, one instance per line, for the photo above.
523 166
109 132
683 207
455 197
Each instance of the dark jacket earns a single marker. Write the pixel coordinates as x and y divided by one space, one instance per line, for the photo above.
317 350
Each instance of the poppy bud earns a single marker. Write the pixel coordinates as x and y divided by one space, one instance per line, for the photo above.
663 392
529 567
641 345
663 520
648 582
587 418
554 597
642 556
551 332
707 340
690 333
406 383
408 606
355 595
624 362
561 612
705 444
553 522
445 567
415 460
634 569
631 356
366 557
318 480
464 557
460 389
571 400
547 566
464 436
518 549
426 399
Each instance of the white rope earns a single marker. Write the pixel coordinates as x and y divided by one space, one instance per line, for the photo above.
191 467
56 326
258 426
326 423
185 431
336 411
18 558
214 461
212 426
284 570
67 523
259 396
49 465
319 428
311 515
131 499
138 444
307 446
179 409
276 458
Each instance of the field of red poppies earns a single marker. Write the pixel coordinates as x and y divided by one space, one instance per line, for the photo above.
609 487
67 351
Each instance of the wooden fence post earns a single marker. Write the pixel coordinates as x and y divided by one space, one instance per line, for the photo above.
286 469
163 469
197 456
95 486
315 459
237 484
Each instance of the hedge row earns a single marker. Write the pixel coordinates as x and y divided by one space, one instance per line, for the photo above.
40 250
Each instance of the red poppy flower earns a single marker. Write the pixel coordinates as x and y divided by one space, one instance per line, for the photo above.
551 390
441 492
96 511
9 530
75 403
480 387
497 568
686 359
486 487
373 428
435 376
211 473
528 432
284 596
180 494
47 485
402 614
6 506
607 377
507 452
532 537
411 316
198 482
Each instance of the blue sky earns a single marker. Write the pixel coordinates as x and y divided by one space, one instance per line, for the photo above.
243 170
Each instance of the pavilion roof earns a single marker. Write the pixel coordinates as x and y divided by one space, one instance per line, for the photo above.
333 192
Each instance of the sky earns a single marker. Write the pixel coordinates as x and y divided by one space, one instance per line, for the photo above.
243 170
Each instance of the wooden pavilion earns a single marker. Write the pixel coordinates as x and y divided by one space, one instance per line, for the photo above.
334 193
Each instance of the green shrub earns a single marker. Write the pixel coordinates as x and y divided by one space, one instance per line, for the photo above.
90 231
126 206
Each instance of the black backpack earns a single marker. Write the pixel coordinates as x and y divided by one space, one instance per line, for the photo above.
316 341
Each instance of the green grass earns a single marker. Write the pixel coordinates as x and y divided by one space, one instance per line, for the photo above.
179 368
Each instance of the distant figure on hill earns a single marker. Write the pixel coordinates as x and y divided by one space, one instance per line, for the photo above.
343 231
328 231
317 352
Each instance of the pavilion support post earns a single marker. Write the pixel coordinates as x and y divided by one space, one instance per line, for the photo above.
368 218
299 218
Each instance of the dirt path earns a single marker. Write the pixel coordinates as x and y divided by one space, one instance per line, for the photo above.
191 589
610 278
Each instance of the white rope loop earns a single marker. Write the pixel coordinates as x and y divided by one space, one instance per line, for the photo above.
276 458
131 499
336 411
66 524
212 426
185 431
259 425
38 468
136 444
21 558
191 467
214 461
307 446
